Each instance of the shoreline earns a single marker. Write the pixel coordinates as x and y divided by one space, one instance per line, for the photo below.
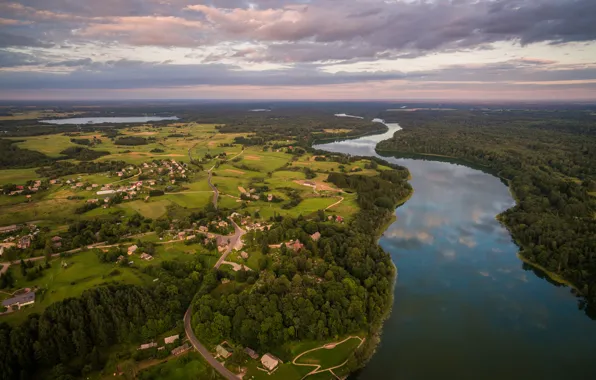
552 275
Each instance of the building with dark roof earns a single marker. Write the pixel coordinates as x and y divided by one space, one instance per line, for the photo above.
20 300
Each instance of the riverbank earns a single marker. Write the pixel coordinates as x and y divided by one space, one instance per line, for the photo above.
552 275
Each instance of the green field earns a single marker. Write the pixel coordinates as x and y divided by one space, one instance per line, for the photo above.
329 358
190 199
326 358
83 271
17 176
50 145
154 208
188 366
51 209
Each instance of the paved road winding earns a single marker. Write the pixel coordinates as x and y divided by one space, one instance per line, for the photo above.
202 350
235 243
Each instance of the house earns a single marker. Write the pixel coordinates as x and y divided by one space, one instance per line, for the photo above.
24 242
181 235
95 200
203 229
223 224
339 219
132 249
222 352
120 258
88 188
269 197
190 237
95 185
52 182
20 300
269 361
171 339
181 349
1 250
252 353
146 256
244 255
316 236
147 345
296 246
56 241
12 228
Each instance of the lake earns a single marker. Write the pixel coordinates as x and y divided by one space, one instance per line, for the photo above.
115 120
465 306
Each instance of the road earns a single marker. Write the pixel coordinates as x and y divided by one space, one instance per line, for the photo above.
341 199
215 191
202 350
235 243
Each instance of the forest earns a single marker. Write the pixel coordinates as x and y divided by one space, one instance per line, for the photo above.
549 162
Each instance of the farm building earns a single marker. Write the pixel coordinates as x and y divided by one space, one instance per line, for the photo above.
147 345
222 352
181 349
252 353
171 339
269 361
20 300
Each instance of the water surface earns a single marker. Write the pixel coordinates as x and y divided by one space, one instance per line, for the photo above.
465 307
115 120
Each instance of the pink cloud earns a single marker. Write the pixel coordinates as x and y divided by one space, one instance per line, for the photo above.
146 30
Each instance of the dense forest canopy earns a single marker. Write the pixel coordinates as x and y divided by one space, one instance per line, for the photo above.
549 161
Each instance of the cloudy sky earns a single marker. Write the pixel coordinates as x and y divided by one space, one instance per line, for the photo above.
298 49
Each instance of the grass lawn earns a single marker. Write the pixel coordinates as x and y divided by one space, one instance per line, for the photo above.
253 259
50 145
188 366
190 199
329 358
84 271
264 161
286 175
154 208
17 176
53 209
286 371
310 205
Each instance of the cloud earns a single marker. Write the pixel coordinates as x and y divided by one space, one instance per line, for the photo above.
12 40
136 74
467 241
16 59
407 26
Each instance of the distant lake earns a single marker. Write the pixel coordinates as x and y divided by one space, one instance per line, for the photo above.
115 120
465 306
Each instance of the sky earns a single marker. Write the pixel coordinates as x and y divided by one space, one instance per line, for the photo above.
298 49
